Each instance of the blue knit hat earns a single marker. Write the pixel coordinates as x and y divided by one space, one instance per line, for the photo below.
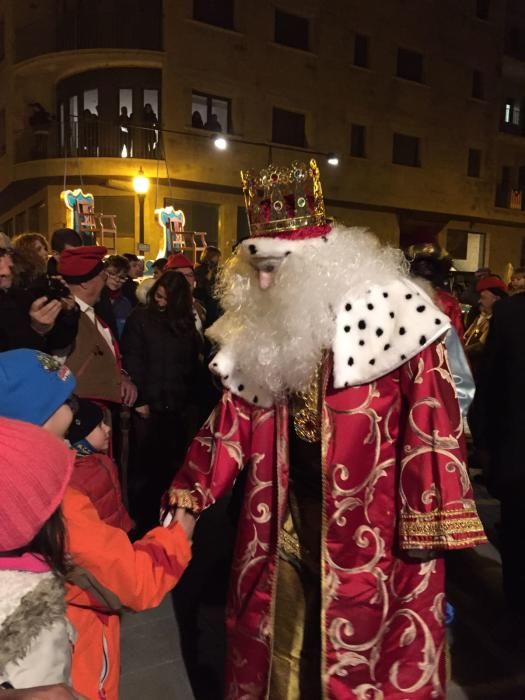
33 385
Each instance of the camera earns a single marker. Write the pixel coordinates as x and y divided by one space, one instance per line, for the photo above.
50 287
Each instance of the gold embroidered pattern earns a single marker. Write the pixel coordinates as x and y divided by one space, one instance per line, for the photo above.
182 498
307 412
289 545
441 529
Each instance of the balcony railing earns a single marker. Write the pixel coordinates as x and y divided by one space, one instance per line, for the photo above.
508 198
92 139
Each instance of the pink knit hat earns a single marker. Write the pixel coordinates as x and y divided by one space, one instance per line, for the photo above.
35 468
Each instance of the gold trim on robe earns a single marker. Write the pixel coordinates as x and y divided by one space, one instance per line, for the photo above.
441 529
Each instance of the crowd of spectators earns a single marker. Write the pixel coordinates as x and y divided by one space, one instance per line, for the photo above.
99 397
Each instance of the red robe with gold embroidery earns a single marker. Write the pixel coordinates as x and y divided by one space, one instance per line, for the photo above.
394 480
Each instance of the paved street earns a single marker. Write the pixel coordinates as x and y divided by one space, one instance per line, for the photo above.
485 665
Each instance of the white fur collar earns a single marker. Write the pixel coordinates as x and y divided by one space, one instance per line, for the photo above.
374 335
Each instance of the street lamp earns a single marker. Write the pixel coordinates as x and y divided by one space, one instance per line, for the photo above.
220 143
141 187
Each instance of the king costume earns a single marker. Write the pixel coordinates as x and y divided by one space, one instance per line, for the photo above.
339 404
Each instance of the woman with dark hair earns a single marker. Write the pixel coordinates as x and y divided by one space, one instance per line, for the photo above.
35 470
163 353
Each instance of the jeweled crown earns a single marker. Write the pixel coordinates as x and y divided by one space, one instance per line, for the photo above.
283 198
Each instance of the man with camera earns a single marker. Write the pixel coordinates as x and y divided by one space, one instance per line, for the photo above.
41 315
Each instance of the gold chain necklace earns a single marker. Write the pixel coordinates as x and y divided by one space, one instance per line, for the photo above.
307 411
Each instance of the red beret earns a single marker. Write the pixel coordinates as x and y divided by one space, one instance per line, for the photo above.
176 261
491 282
77 265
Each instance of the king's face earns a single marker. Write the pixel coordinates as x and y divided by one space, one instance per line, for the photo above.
266 269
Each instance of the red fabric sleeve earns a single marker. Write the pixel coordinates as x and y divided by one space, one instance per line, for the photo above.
138 574
437 509
215 457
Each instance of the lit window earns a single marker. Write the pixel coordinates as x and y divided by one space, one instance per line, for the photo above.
508 112
516 115
210 112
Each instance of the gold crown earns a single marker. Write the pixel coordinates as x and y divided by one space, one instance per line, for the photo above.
280 199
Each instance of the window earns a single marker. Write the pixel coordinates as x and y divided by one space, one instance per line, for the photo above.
200 216
406 150
410 65
2 39
482 9
477 84
36 218
20 222
291 30
512 112
474 162
109 113
123 207
361 51
2 132
288 127
210 112
243 229
457 244
358 141
217 12
7 228
506 176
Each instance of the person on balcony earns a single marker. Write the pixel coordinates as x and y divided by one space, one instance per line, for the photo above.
40 122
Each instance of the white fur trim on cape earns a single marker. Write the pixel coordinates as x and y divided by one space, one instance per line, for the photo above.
374 335
378 333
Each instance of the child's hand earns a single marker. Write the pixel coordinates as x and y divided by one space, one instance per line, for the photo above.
186 521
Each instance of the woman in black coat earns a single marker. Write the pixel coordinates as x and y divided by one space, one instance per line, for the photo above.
163 353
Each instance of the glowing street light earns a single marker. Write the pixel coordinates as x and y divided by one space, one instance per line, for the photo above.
220 143
333 160
141 183
141 187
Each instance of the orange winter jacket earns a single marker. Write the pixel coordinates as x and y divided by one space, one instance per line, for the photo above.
112 574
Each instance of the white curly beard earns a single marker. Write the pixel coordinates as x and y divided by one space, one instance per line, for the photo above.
277 336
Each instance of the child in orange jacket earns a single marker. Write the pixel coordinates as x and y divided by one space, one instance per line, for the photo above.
110 573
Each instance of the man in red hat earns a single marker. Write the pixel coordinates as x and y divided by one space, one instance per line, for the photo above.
498 428
491 289
95 357
339 404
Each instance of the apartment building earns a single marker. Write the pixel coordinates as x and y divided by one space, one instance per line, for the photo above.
421 100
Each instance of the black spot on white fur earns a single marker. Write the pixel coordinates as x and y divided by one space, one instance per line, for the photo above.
253 249
362 325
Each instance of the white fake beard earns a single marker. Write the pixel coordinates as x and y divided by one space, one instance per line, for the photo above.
277 336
